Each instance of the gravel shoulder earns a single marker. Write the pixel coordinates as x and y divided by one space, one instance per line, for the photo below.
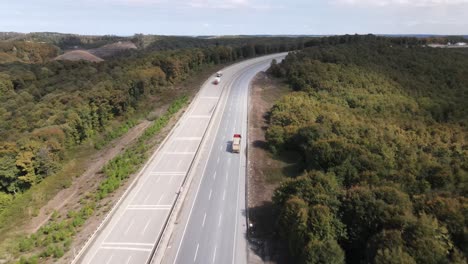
265 172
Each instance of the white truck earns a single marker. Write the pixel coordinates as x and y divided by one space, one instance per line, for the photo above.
219 74
236 143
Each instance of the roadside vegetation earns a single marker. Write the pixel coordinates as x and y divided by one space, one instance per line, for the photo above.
53 112
53 240
381 126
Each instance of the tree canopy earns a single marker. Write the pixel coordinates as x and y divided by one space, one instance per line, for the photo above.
384 121
48 107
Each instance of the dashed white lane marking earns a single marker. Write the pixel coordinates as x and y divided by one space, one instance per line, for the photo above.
160 198
109 260
196 253
221 147
217 160
146 198
214 175
128 227
170 178
229 160
219 220
204 218
146 226
129 258
226 175
209 196
128 248
178 163
224 194
214 255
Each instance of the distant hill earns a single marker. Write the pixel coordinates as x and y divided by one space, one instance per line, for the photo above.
76 55
64 41
97 54
113 49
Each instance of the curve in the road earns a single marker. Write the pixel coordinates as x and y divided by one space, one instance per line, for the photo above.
215 227
135 225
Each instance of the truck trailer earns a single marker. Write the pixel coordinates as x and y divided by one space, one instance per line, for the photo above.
236 143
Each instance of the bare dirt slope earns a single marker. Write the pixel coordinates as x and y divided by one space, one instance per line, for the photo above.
76 55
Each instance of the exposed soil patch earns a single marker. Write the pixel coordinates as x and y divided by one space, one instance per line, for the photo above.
76 55
265 172
96 55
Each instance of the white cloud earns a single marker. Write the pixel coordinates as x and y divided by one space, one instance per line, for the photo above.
226 4
206 4
414 3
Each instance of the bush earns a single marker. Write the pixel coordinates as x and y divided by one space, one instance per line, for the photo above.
29 260
26 244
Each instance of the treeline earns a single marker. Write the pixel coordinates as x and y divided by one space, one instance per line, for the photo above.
365 40
27 52
48 109
262 45
382 130
394 40
63 41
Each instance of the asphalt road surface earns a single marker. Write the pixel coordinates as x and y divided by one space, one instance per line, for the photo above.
214 209
212 225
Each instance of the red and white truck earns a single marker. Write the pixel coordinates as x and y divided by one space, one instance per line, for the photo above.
236 143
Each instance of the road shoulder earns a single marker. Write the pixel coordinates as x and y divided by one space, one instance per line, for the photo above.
265 172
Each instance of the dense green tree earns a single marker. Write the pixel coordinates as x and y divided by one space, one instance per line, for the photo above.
48 107
386 119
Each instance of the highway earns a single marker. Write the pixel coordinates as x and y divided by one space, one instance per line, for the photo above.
210 226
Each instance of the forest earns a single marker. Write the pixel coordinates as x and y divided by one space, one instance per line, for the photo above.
48 107
381 125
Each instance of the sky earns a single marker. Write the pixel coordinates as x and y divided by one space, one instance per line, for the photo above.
235 17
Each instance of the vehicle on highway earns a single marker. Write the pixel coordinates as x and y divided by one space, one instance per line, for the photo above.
219 74
236 142
217 80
